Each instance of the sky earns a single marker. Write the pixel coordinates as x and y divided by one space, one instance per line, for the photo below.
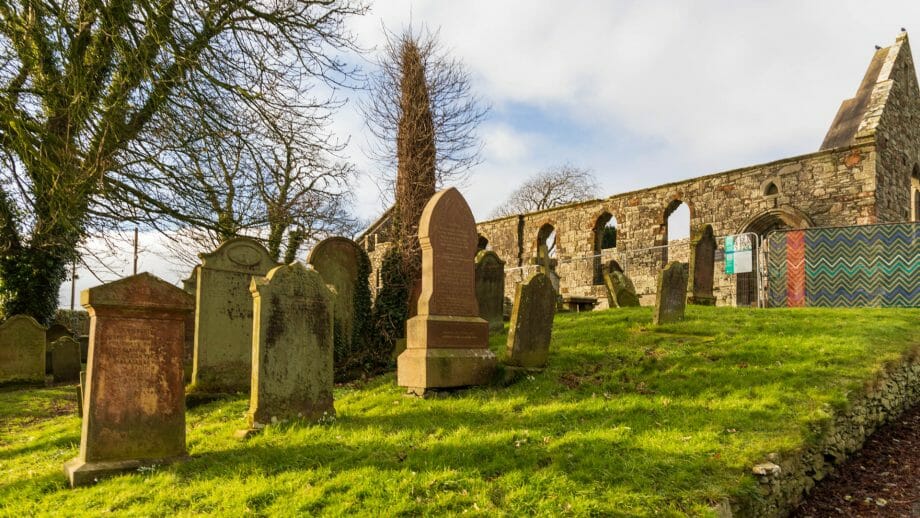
640 93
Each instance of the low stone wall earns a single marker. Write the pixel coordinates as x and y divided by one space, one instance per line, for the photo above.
783 483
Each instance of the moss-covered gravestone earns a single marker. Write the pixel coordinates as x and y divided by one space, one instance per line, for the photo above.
190 283
134 400
621 293
447 343
223 316
292 347
702 266
531 322
22 350
65 359
490 289
672 294
54 332
345 268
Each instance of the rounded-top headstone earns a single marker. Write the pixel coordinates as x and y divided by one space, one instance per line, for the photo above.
448 238
531 325
22 350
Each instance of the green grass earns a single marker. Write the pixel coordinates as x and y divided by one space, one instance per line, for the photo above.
626 420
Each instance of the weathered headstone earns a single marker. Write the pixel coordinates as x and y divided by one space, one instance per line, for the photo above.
490 289
84 348
672 294
22 350
65 359
621 293
134 400
54 332
531 322
81 390
223 316
292 347
344 268
702 266
447 341
190 284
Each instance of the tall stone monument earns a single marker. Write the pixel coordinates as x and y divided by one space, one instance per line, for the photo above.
292 347
702 266
223 316
134 400
345 268
490 289
531 322
22 350
447 341
672 294
65 359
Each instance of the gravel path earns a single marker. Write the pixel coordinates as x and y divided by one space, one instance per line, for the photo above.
883 479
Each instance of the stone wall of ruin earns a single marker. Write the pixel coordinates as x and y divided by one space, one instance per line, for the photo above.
834 187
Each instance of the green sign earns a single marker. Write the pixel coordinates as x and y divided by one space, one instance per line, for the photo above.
739 254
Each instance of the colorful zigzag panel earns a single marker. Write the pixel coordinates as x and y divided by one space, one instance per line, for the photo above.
868 265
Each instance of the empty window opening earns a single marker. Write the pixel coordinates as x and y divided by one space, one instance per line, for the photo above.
676 228
771 190
605 238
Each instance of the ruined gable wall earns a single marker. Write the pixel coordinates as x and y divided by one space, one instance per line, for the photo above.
832 187
897 132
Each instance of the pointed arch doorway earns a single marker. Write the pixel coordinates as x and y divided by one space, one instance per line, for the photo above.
782 218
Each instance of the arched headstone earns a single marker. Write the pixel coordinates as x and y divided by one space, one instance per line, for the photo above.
490 289
447 341
342 264
223 316
292 347
65 359
22 350
702 266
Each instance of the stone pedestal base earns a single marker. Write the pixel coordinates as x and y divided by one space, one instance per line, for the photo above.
421 369
701 300
82 473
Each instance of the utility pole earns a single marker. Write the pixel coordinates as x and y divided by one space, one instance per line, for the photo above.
135 250
73 283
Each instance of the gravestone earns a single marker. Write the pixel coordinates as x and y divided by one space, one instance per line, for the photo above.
447 341
672 294
65 359
81 389
54 332
292 347
134 401
621 293
22 350
223 316
190 284
345 268
531 322
702 266
490 289
84 348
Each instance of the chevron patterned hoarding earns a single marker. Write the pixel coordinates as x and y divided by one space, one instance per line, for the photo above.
868 265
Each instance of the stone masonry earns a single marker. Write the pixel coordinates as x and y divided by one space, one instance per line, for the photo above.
860 175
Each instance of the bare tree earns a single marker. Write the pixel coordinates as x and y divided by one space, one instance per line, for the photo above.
84 86
559 185
424 116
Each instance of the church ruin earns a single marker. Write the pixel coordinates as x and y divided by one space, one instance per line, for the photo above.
866 171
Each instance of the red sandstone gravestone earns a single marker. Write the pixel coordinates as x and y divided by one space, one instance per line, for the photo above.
447 341
134 401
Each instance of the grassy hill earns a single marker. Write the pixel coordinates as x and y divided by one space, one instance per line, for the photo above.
627 419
